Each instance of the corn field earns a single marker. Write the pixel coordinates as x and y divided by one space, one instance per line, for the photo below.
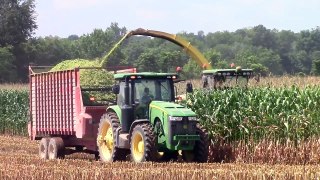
14 111
259 113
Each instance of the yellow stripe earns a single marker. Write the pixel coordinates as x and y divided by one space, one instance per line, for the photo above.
157 107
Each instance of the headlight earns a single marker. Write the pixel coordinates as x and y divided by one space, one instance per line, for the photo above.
172 118
192 118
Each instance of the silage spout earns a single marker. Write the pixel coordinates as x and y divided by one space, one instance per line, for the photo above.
104 59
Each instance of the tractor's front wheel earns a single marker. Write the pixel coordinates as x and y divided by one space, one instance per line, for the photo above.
200 151
143 143
106 139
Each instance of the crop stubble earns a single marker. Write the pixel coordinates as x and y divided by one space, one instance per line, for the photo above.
19 160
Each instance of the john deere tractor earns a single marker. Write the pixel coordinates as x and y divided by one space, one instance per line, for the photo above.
147 122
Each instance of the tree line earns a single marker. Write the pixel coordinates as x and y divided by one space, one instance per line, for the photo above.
267 51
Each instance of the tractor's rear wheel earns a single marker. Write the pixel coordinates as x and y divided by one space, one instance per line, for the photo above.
106 139
143 143
43 148
56 149
200 152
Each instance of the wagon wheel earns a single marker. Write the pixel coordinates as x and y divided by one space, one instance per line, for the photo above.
43 148
56 149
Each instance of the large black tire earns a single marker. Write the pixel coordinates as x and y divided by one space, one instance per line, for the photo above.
200 152
106 139
169 156
79 148
43 148
143 143
56 149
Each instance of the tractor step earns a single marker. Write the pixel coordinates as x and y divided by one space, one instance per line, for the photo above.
122 140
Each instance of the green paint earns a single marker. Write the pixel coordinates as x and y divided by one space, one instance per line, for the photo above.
117 110
171 109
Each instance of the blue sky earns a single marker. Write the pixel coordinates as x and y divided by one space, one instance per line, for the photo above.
65 17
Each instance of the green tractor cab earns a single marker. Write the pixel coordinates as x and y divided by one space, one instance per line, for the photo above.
146 120
226 78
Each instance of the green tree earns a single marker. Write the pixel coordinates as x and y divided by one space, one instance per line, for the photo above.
226 51
218 38
147 61
309 40
316 63
17 21
264 37
259 69
191 70
94 45
134 48
168 61
7 68
48 51
222 64
300 62
269 59
17 24
286 41
258 55
213 56
98 43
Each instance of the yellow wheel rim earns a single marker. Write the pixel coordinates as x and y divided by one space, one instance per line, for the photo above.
105 141
138 147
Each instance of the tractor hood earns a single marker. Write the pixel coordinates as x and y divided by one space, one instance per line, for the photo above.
172 109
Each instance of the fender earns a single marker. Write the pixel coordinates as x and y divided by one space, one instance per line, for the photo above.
116 109
138 121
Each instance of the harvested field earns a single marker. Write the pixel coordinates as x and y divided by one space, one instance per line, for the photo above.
19 160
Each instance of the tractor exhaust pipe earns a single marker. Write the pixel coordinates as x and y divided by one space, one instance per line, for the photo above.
127 109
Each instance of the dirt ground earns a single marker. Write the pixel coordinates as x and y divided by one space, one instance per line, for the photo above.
19 160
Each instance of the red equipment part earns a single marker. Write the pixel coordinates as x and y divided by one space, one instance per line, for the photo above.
57 109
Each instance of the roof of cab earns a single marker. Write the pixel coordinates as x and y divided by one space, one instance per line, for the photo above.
144 74
213 71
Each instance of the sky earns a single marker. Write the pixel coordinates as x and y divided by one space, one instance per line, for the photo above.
68 17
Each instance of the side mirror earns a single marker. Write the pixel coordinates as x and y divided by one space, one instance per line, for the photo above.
116 89
189 88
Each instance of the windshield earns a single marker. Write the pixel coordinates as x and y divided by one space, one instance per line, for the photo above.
152 89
